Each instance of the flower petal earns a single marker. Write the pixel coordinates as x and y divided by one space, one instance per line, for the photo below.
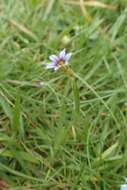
53 58
56 68
68 56
66 63
123 187
62 54
50 66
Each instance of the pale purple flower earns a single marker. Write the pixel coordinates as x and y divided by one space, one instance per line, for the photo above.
58 61
124 186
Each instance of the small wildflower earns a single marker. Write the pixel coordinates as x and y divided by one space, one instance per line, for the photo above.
124 186
59 61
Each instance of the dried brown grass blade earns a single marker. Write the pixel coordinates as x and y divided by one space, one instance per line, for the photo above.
84 10
22 28
93 4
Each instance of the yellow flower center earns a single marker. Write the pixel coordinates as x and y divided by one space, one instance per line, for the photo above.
61 62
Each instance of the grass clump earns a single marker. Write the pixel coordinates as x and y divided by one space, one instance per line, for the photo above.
55 135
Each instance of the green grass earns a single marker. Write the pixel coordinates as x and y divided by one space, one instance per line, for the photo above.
57 133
